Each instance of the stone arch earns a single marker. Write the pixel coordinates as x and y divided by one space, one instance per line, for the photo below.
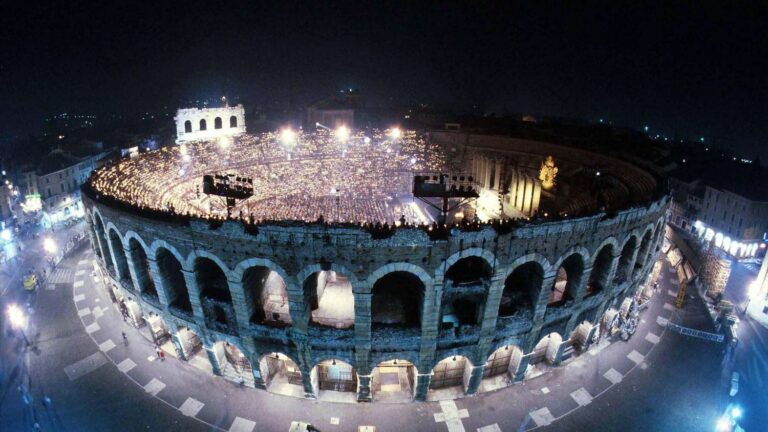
626 259
565 286
645 247
238 271
215 295
187 126
101 239
338 308
200 253
334 374
522 289
265 295
203 125
171 277
602 265
397 299
546 348
537 257
233 121
503 360
217 123
137 254
489 258
382 356
419 272
120 261
280 373
451 371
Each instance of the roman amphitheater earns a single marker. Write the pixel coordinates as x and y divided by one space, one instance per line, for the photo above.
333 282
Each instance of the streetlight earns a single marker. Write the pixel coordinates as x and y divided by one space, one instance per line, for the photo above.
18 320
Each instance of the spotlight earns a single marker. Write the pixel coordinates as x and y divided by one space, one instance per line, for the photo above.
342 133
395 133
287 136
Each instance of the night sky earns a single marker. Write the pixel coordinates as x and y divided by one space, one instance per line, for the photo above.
700 69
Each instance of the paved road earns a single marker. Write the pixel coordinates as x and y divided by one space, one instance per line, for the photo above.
751 356
663 381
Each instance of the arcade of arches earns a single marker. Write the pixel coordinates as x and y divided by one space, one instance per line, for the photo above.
397 298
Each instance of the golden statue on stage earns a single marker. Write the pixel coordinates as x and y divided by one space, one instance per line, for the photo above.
548 173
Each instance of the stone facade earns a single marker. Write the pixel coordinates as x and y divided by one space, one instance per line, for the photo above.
140 253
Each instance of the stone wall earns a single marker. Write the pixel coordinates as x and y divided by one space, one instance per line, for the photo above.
296 253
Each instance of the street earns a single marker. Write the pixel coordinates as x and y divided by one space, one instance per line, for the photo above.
95 382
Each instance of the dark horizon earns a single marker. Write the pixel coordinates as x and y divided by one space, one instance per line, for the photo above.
691 71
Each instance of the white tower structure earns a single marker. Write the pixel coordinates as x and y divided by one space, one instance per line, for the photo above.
206 123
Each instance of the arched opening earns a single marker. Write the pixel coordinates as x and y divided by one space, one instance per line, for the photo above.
546 350
329 296
203 125
567 281
120 269
393 381
102 245
601 268
214 295
233 363
233 122
266 297
624 269
470 270
173 281
187 126
450 377
521 290
217 123
332 378
396 300
191 348
461 313
644 251
159 331
146 285
281 375
464 294
501 367
581 335
131 311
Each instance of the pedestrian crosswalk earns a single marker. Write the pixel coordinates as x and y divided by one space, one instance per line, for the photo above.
61 275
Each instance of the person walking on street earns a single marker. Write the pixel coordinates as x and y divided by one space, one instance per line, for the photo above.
162 354
125 339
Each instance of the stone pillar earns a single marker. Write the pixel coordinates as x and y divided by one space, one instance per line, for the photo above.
362 294
194 295
521 368
213 359
590 335
162 291
242 317
297 306
560 350
364 388
304 359
177 346
430 323
138 285
258 378
422 386
540 308
475 378
581 290
633 262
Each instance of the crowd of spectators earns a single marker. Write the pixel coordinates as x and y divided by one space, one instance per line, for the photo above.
363 179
